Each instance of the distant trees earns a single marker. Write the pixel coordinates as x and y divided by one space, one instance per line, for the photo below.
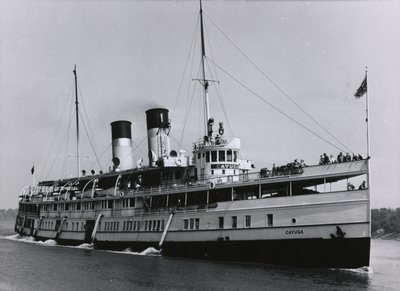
386 219
8 214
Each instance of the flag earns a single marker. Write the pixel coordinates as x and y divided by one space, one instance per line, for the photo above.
33 170
362 89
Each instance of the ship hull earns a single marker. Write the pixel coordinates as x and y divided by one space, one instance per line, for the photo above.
335 253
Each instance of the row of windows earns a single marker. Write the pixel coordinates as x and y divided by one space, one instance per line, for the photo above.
219 156
105 204
47 225
111 226
247 221
131 225
154 225
192 223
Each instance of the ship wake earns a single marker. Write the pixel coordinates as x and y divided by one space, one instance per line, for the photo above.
150 251
29 239
361 270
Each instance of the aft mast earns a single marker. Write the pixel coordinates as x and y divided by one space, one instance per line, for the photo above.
77 123
204 82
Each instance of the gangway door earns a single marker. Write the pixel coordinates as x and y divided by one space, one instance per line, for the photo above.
166 230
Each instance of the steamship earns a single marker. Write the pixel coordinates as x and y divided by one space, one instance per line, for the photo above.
207 204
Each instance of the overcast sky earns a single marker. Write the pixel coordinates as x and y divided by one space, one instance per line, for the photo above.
131 57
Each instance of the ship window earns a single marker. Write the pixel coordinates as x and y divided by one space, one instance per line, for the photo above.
221 222
248 221
124 226
207 157
203 155
212 172
191 222
66 206
78 206
73 225
138 225
197 223
55 207
162 224
223 172
234 221
221 155
199 156
213 156
270 220
132 202
110 203
186 224
229 155
145 225
235 154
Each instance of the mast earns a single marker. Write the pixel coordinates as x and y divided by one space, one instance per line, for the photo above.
77 123
204 82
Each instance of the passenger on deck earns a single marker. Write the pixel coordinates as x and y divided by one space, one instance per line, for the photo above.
326 159
296 163
217 140
302 164
360 157
362 186
347 158
332 159
340 158
350 187
321 160
273 170
355 158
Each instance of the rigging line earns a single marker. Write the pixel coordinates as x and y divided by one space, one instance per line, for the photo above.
55 136
218 88
102 154
276 85
138 145
221 101
88 121
187 107
90 141
186 64
274 107
60 147
187 113
179 146
65 160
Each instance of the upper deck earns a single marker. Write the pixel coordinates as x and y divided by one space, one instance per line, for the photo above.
299 178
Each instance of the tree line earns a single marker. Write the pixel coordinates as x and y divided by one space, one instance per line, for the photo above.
385 219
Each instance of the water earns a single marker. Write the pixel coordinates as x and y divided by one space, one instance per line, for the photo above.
29 265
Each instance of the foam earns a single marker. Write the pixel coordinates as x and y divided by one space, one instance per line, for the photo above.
361 270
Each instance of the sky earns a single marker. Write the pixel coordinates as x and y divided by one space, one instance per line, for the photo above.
131 56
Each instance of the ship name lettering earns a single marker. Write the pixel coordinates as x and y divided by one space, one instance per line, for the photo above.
297 231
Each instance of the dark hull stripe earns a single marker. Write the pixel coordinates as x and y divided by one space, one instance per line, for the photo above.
332 253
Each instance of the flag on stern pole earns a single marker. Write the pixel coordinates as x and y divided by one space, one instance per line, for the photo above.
362 89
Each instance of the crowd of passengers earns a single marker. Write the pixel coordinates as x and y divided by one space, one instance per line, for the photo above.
341 158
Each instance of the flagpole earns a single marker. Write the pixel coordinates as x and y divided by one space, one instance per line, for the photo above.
368 152
367 112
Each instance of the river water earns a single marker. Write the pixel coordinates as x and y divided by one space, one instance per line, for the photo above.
29 265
